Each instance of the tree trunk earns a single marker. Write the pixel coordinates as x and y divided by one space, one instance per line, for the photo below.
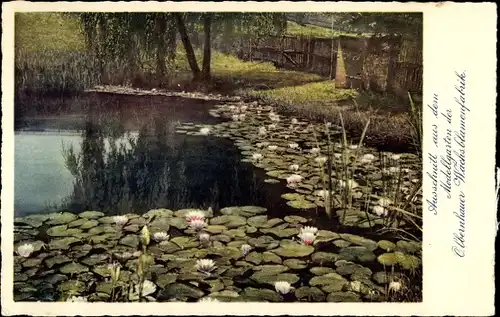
100 48
187 45
207 51
160 49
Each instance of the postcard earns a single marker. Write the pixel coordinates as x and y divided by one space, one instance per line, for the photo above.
248 158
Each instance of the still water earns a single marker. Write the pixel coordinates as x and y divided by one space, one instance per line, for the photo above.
120 154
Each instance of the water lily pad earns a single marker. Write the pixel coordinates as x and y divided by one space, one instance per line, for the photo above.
367 243
256 294
32 220
295 219
91 214
185 242
386 245
407 261
294 250
321 270
387 259
292 196
257 221
328 279
324 258
62 231
57 259
272 222
295 264
261 241
73 268
94 259
62 244
230 221
164 279
254 257
343 297
62 218
214 229
32 262
271 181
179 223
301 204
179 290
282 232
130 240
310 294
408 246
159 213
359 253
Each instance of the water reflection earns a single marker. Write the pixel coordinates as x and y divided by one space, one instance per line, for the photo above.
129 159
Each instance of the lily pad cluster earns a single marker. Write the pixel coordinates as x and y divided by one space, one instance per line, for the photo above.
240 255
296 152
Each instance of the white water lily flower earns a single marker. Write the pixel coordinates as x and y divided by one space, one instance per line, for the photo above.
197 224
315 150
337 155
262 131
350 183
294 167
321 160
396 157
77 299
384 202
282 287
355 286
293 179
323 193
259 112
393 170
160 236
394 286
209 300
313 230
257 156
367 158
307 237
204 237
120 220
380 211
205 265
272 147
195 215
293 145
295 121
235 117
245 249
205 131
148 288
353 146
25 250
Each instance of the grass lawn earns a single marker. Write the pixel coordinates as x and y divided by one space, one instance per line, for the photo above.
36 32
309 30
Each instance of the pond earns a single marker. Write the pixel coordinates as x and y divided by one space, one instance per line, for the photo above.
149 165
103 159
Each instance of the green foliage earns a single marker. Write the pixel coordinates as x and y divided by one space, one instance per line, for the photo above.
397 23
309 30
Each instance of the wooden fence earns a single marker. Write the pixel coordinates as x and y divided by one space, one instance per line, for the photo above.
381 64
